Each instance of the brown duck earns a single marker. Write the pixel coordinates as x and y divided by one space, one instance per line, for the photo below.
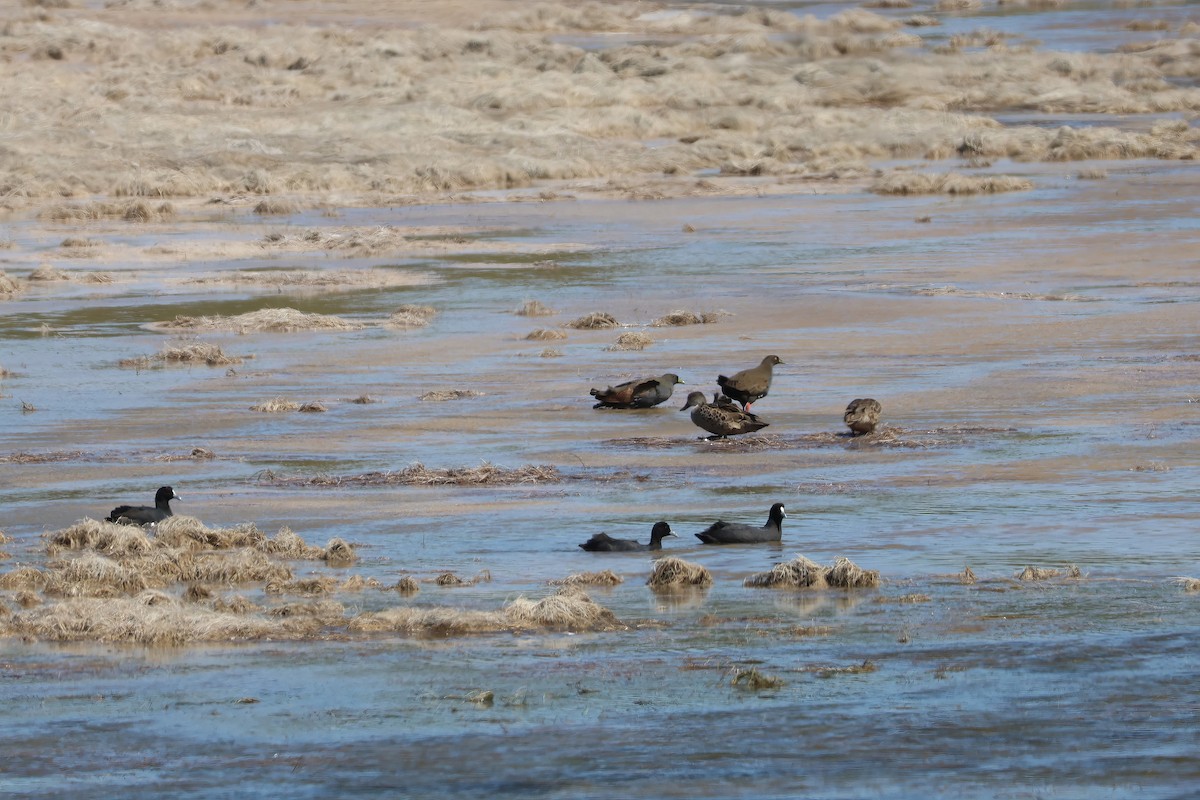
862 415
721 417
749 384
644 393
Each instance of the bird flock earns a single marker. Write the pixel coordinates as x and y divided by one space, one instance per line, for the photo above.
727 415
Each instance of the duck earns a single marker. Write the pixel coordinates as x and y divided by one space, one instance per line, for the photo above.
862 415
721 417
722 532
147 515
603 543
751 384
643 393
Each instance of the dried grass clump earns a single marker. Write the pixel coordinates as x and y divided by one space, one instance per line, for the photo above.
631 341
803 573
436 621
1091 174
534 308
594 321
130 211
338 552
325 612
677 318
1187 584
238 566
185 353
799 573
550 353
356 583
954 183
672 571
188 533
93 575
754 680
568 609
274 206
967 576
411 316
277 405
312 408
267 320
9 285
305 587
26 579
145 621
603 578
102 536
1046 573
545 335
407 585
286 543
443 395
48 272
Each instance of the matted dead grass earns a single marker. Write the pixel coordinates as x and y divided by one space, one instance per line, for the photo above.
411 316
267 320
276 405
534 308
596 320
631 340
443 395
48 273
953 183
185 353
804 573
684 317
1187 584
407 585
1032 573
9 285
545 335
150 619
672 572
570 609
127 210
603 578
417 474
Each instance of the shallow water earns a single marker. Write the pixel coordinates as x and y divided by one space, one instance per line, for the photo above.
1037 360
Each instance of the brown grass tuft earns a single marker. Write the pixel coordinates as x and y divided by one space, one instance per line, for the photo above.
312 408
267 320
1188 584
338 552
967 576
276 405
407 585
754 680
448 394
48 272
569 609
803 573
534 308
676 318
9 285
130 211
603 578
274 206
545 335
1045 573
799 573
631 341
672 571
411 316
185 353
594 321
953 183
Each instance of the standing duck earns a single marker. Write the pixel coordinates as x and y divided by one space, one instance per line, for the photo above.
643 393
603 543
862 415
721 417
721 532
749 384
147 515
